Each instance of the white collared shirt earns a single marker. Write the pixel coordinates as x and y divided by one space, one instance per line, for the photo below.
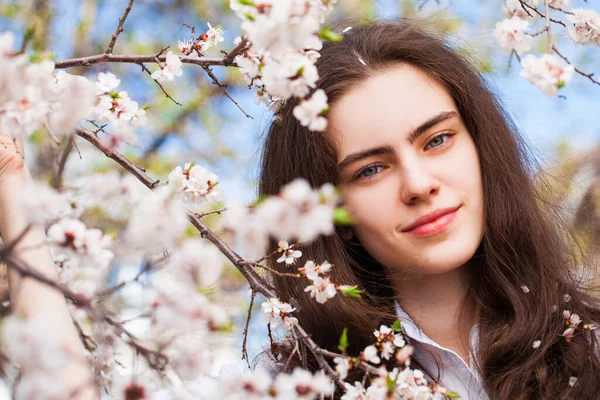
455 374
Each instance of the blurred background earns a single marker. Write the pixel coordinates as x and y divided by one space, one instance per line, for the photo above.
563 132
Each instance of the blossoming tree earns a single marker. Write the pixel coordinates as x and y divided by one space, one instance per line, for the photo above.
179 233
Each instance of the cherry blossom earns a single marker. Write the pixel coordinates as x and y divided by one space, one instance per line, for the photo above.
512 8
547 72
277 313
321 289
289 255
585 27
137 387
196 184
106 82
370 354
171 69
197 263
157 213
214 35
309 112
71 241
511 35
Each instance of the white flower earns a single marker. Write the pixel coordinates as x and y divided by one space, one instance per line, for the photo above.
354 392
301 384
322 289
171 69
342 366
370 354
536 344
197 263
289 255
137 386
510 34
308 112
585 27
43 203
513 8
156 213
106 82
185 45
566 298
215 35
313 271
525 289
26 343
274 312
547 72
196 185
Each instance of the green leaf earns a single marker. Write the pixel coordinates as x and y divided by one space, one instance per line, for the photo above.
352 291
249 16
343 340
146 106
246 3
342 217
328 34
452 395
396 327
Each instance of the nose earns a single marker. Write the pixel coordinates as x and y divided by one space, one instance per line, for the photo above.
417 183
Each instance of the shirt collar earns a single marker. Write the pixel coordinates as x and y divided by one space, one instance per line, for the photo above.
412 332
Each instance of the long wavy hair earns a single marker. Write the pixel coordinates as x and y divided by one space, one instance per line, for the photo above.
525 241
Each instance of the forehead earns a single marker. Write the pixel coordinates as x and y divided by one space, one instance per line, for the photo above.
385 108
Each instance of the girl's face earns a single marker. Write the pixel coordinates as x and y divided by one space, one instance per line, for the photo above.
403 154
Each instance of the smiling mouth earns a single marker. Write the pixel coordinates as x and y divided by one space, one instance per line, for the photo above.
433 223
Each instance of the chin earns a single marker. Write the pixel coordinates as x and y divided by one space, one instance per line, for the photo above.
447 256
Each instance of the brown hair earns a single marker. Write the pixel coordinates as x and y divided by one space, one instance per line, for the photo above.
522 244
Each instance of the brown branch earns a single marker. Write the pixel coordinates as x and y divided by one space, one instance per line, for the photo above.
244 349
239 49
526 6
137 59
115 35
580 72
57 181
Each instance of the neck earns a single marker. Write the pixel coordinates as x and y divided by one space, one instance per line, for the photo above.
433 303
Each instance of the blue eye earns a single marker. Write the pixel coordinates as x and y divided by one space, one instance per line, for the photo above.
369 172
438 140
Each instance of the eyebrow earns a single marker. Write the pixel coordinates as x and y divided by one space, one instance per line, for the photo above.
388 149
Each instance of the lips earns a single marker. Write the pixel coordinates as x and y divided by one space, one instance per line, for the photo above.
431 217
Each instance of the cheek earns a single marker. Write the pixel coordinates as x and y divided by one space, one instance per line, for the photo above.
370 207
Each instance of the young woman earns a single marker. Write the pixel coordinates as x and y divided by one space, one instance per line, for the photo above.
451 235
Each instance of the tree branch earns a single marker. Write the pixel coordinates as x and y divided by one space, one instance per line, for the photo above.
115 35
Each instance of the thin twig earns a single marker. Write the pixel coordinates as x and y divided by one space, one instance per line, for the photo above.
115 35
550 44
144 68
204 214
244 348
222 87
580 72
